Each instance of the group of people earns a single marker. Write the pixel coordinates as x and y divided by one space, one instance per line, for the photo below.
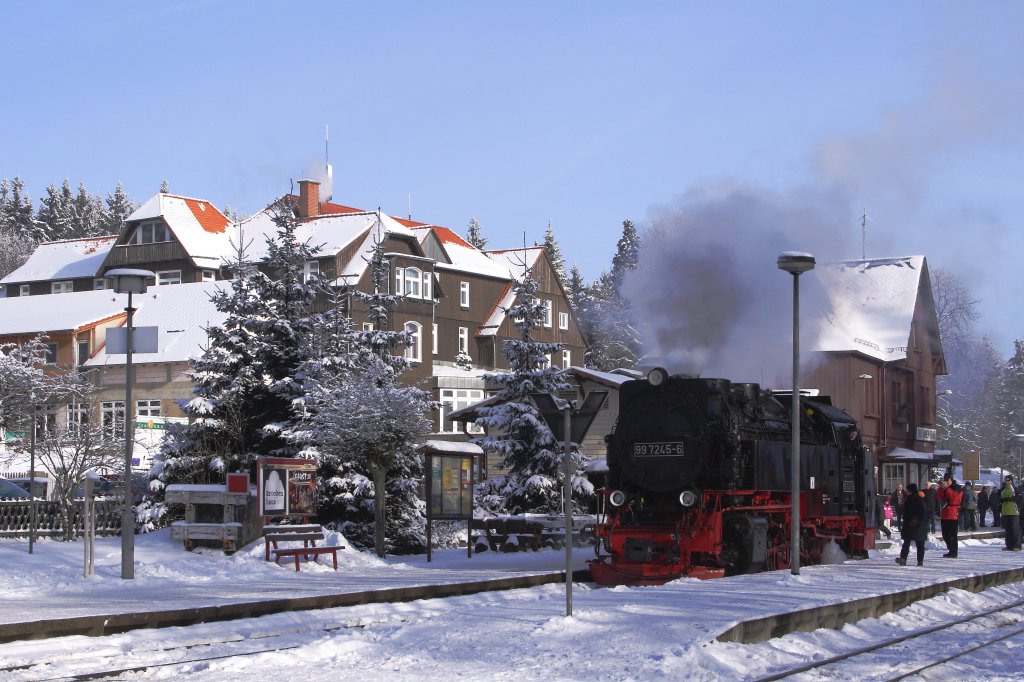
915 510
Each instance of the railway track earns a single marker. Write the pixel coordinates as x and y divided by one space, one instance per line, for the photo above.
908 668
91 663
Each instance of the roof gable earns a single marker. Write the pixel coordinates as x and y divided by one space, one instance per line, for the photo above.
61 260
871 305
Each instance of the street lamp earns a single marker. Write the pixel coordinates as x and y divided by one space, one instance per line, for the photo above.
795 263
128 281
1018 438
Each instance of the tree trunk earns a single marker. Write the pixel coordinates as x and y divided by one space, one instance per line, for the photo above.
378 495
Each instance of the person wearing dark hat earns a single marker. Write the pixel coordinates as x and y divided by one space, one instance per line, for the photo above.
949 495
914 527
1011 515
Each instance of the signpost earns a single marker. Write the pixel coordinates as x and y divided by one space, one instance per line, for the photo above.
558 415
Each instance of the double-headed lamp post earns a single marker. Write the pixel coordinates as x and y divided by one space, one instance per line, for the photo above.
128 281
795 263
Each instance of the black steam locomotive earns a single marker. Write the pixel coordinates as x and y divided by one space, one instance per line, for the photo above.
698 482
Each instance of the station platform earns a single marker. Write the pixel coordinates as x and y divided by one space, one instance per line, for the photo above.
752 607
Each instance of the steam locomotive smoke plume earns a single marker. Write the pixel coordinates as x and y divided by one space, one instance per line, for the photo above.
708 293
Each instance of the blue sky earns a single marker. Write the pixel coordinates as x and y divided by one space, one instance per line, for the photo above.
581 113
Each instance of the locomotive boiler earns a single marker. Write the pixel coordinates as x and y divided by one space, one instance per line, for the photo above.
698 482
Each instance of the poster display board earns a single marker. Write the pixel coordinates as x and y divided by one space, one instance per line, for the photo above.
287 487
451 486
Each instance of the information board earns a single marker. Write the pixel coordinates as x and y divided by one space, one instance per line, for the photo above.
287 487
451 486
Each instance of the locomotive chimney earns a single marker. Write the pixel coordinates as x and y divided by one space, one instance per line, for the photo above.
309 198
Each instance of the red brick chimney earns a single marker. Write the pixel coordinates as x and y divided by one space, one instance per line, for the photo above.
309 198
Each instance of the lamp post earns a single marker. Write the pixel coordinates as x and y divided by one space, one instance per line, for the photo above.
1018 438
795 263
128 281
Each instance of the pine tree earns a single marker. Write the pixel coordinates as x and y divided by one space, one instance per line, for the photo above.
363 428
54 214
119 207
627 254
475 235
555 255
16 243
16 211
248 379
87 214
576 289
525 444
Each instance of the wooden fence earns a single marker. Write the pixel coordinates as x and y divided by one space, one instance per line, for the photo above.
16 516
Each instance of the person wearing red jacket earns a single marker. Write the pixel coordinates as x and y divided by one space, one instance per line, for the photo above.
949 496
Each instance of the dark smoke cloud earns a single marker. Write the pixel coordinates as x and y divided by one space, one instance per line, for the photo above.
708 292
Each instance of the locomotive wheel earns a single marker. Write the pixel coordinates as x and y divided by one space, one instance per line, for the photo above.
737 543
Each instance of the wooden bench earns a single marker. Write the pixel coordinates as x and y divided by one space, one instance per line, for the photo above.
507 535
309 535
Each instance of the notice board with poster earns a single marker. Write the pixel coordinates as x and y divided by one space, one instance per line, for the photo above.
450 469
287 487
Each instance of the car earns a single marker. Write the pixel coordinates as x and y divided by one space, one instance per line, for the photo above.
12 491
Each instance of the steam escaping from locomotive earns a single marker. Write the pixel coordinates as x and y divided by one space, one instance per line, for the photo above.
707 292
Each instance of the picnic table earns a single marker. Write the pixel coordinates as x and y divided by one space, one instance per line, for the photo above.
523 532
308 534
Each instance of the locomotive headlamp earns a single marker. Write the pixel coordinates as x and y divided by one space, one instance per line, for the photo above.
687 498
617 498
657 376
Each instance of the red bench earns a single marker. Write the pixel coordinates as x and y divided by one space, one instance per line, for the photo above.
309 535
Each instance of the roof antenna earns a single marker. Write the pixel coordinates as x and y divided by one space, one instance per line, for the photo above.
327 163
410 206
864 235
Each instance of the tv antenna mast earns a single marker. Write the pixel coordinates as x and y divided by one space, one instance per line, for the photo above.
864 234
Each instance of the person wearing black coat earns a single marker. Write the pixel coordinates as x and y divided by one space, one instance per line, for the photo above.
983 503
996 505
931 506
915 527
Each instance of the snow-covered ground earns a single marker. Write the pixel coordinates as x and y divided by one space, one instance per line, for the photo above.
620 633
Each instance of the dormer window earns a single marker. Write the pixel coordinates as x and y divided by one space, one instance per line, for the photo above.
150 233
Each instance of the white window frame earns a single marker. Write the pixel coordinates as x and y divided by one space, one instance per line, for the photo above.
166 277
548 305
77 415
209 275
310 268
63 287
152 232
24 290
464 340
414 353
563 321
99 284
434 339
399 281
367 326
428 286
453 399
51 353
46 419
82 348
566 359
464 294
413 282
893 474
148 408
112 417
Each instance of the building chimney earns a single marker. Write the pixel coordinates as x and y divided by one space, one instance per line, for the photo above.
309 198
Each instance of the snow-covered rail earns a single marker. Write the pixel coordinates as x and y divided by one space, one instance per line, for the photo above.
1001 623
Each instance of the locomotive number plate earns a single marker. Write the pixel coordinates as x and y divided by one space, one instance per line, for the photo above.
658 450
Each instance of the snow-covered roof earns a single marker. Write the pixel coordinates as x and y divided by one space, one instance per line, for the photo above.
20 315
610 379
181 313
464 256
871 305
67 259
453 447
511 261
201 229
498 312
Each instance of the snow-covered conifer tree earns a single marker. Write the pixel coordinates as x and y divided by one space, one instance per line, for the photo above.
516 431
248 379
555 257
475 235
364 428
119 207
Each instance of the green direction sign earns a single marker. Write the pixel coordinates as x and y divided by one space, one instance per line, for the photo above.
14 435
158 426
